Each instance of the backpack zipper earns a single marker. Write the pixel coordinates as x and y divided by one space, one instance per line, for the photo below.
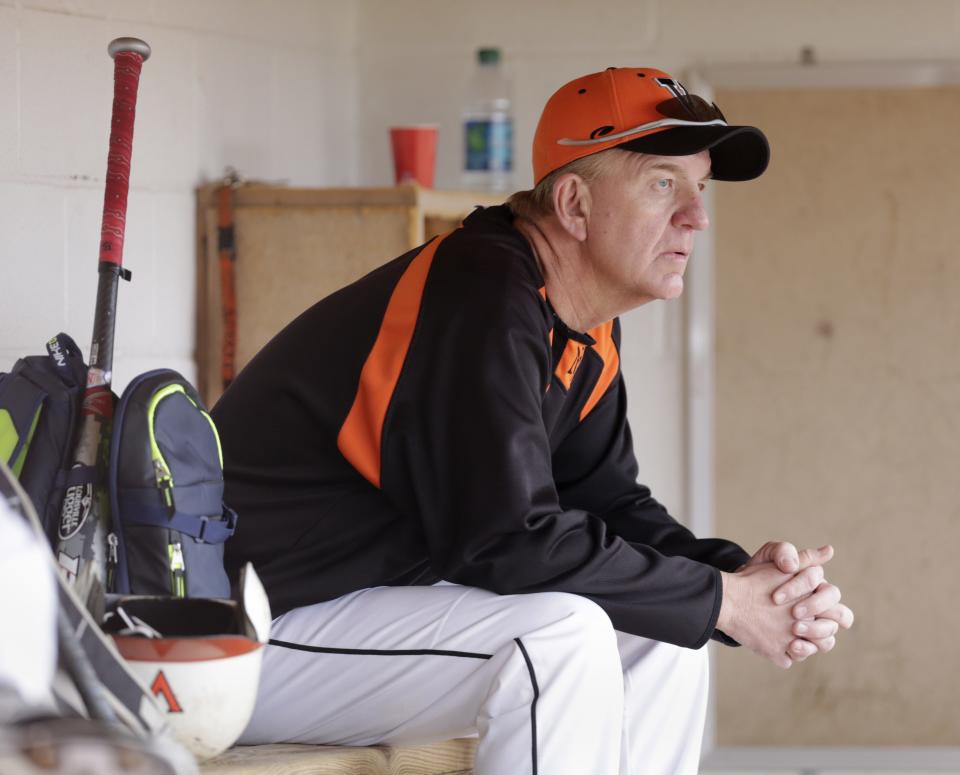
164 481
113 558
178 570
160 468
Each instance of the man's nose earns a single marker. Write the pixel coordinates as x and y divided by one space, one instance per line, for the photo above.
693 214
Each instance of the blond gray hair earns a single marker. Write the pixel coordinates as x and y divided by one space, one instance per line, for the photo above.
537 202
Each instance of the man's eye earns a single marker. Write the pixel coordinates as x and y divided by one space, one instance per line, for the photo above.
664 183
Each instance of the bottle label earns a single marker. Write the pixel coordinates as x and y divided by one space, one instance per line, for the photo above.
489 144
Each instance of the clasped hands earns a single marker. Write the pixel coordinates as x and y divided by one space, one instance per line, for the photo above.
780 605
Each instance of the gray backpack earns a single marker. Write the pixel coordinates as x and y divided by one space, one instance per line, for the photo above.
169 521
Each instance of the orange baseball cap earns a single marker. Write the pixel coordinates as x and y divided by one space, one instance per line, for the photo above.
645 110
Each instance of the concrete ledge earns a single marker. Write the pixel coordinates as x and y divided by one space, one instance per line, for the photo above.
453 757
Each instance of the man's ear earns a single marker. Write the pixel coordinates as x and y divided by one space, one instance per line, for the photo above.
571 204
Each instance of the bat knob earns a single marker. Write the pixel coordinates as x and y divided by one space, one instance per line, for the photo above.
121 45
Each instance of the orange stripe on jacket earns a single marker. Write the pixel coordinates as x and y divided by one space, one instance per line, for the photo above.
361 435
569 362
607 350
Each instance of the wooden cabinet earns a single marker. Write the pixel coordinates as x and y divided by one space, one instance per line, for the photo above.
296 246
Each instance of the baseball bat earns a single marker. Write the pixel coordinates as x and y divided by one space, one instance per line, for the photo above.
84 517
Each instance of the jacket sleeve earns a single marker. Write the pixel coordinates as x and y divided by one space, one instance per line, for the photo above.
596 470
465 450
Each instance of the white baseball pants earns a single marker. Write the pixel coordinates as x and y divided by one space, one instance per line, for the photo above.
543 679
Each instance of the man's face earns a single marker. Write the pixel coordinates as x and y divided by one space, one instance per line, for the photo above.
640 228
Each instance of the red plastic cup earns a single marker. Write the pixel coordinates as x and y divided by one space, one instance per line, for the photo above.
414 153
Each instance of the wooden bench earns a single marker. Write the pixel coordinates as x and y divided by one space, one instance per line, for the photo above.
453 757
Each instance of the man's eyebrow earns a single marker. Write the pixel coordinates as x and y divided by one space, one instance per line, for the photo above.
669 166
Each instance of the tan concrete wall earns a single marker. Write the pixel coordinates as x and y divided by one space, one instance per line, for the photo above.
838 403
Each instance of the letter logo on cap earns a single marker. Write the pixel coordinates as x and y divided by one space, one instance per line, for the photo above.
672 86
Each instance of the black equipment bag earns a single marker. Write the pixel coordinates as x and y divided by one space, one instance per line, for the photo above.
166 493
39 415
168 520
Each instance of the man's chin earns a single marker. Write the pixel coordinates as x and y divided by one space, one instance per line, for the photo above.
672 287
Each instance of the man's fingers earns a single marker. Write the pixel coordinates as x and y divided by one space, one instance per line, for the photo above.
840 614
785 557
800 649
819 556
801 585
782 660
825 645
764 554
825 598
816 629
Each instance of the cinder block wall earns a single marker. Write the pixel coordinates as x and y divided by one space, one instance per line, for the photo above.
269 87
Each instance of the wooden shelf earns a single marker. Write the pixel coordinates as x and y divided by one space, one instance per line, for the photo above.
297 245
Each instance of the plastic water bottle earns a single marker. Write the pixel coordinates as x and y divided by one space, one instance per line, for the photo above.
488 126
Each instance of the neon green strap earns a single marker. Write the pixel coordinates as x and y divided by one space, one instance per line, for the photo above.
9 439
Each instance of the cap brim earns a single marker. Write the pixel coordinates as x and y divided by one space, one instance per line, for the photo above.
736 152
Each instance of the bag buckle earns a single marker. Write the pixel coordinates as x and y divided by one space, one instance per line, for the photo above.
231 518
226 522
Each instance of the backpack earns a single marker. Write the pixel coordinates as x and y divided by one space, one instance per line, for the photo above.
166 493
39 415
165 482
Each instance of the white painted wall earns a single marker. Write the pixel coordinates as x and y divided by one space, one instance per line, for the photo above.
268 87
418 54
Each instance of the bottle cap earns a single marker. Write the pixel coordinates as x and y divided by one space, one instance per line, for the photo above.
488 56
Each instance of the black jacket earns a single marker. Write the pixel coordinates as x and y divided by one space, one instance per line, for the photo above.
436 420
